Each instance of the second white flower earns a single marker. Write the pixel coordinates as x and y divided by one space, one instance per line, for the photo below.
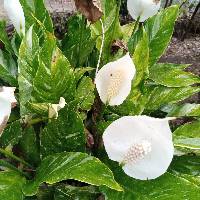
113 81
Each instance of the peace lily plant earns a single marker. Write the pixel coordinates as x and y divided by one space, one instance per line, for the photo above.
80 134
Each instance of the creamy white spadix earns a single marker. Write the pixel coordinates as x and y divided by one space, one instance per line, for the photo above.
7 100
142 145
113 80
143 8
15 13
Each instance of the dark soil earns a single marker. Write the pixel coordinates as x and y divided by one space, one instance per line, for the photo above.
184 52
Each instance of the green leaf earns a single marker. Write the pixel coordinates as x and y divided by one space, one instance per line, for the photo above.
36 9
63 166
29 146
11 186
4 37
78 42
188 136
28 65
188 130
186 164
127 30
160 29
11 135
79 193
79 72
42 14
172 75
141 60
85 93
134 39
184 110
166 187
8 68
54 77
162 96
41 109
134 104
63 134
112 28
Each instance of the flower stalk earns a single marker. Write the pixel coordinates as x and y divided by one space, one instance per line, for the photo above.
11 155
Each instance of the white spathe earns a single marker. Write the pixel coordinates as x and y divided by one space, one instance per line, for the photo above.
7 99
54 108
141 144
16 15
113 80
143 8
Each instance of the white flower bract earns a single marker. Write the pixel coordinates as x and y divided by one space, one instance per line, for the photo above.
54 108
143 8
16 15
113 80
141 144
7 99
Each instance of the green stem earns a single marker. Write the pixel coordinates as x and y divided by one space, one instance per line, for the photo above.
80 41
11 155
114 28
37 120
3 163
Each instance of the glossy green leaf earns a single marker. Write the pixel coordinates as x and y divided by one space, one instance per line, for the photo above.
141 60
160 29
134 39
11 135
8 68
4 37
187 164
167 187
162 96
78 42
112 28
127 31
85 93
188 136
189 130
172 75
11 185
28 65
184 110
63 166
79 193
63 134
29 146
36 10
41 109
54 77
79 72
42 14
134 104
7 166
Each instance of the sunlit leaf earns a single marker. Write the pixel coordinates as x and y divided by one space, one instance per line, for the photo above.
63 166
